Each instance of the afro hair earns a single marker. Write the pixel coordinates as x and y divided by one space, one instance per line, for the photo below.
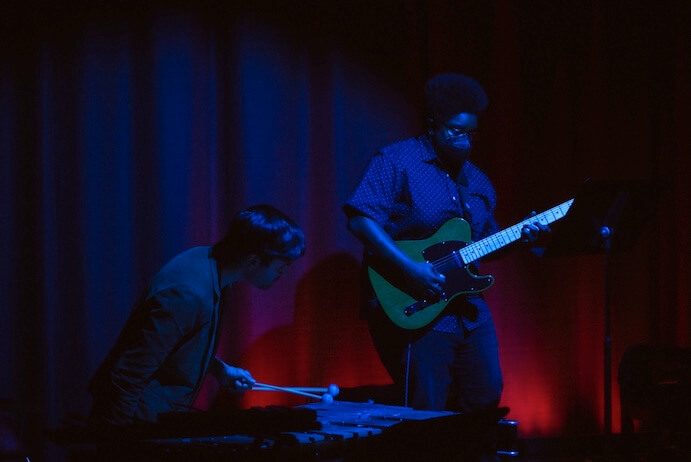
449 94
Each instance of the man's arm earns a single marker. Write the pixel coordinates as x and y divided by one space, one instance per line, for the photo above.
373 236
150 335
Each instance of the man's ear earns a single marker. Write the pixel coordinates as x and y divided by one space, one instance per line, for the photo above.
429 126
252 261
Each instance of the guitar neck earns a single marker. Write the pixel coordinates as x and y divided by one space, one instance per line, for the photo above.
496 241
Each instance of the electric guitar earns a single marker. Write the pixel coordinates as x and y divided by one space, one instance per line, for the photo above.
451 253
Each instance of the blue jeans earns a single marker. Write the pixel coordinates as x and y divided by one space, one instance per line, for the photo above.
458 371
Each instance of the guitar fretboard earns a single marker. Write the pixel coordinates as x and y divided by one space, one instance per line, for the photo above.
496 241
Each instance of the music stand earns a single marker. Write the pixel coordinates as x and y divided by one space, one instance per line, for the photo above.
606 217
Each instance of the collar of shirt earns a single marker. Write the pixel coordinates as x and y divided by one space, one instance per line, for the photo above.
429 154
215 273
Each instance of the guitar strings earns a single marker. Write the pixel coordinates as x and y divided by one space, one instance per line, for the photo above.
477 246
511 234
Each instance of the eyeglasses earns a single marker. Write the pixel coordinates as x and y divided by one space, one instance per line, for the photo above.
460 132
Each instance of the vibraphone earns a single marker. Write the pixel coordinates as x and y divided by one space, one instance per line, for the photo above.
343 431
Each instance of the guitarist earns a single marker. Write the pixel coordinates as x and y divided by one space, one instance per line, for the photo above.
409 189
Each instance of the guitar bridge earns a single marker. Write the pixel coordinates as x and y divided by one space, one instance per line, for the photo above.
422 304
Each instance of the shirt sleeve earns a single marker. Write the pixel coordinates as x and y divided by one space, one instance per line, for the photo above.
377 191
152 333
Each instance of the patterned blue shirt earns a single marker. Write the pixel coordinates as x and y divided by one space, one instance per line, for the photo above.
408 193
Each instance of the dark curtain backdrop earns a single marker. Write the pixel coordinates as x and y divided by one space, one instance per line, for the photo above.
130 131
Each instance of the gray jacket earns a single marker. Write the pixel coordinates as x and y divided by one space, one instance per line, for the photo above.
163 352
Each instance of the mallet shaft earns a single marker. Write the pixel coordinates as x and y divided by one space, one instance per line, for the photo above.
259 386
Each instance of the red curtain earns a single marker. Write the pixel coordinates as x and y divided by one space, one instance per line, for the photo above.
131 132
